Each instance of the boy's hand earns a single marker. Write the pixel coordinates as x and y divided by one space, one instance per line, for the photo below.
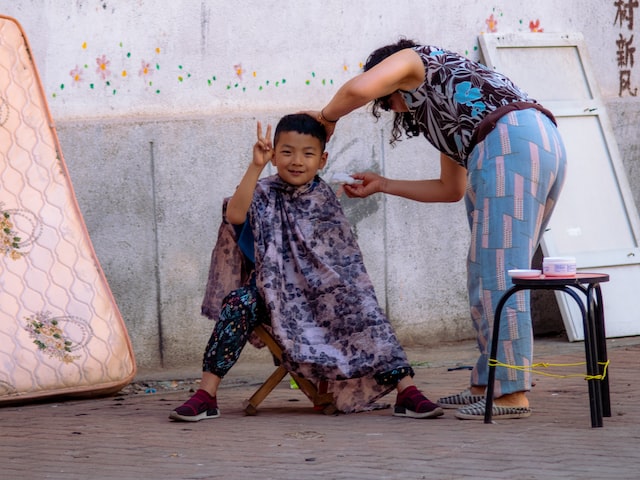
263 149
240 201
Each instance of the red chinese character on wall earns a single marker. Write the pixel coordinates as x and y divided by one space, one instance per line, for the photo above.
625 12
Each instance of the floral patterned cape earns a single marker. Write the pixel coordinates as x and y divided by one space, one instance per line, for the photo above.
310 273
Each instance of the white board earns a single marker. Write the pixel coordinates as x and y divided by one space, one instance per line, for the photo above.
596 219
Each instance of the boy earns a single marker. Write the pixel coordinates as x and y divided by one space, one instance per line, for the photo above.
288 255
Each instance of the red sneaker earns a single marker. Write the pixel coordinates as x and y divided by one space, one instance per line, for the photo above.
200 406
413 404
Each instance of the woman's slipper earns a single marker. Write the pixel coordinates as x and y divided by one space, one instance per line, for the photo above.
458 400
476 410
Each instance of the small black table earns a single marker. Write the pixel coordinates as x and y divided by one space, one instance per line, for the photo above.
594 335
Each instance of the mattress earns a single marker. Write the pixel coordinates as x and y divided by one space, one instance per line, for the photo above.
61 332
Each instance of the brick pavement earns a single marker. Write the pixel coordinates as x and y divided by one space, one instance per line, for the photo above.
128 436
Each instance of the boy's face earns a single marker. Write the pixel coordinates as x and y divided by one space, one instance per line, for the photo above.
298 157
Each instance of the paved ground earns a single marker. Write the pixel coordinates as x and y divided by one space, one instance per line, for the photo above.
128 436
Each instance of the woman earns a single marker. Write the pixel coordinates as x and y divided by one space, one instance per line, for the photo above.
500 150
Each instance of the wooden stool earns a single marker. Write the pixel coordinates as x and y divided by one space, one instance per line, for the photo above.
595 344
322 400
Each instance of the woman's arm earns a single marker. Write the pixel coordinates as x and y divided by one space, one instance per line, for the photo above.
403 70
450 187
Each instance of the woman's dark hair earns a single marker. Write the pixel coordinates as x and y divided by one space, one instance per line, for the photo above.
403 121
301 123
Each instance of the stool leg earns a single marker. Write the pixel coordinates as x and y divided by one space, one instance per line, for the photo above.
603 358
591 354
251 405
488 412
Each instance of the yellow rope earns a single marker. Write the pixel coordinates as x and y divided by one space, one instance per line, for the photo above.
495 363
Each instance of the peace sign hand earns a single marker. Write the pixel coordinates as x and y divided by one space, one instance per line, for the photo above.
263 149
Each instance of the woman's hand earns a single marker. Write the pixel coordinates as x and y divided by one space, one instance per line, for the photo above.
450 187
263 148
369 183
328 126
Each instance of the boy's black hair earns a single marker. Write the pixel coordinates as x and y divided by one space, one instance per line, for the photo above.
403 121
301 123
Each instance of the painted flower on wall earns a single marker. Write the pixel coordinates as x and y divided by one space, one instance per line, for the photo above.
76 75
145 70
492 24
103 67
238 69
534 27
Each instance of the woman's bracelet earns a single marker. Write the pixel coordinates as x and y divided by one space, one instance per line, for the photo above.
322 118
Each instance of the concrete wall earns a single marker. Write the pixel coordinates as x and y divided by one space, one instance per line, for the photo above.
154 145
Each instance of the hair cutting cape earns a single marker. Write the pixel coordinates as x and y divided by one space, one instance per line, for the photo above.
321 302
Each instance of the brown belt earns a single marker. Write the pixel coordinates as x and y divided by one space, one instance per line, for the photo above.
488 123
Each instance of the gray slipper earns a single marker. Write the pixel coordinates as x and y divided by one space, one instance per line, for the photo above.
459 399
476 412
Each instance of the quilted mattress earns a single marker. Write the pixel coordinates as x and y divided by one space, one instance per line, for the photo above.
61 332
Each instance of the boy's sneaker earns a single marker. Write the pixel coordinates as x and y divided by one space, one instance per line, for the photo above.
200 406
413 404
